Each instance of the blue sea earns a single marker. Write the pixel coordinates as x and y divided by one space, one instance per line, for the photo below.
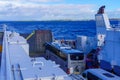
60 29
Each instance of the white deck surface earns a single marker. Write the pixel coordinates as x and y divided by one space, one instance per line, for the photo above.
22 67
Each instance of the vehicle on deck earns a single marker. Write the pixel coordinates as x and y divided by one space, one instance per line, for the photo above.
70 60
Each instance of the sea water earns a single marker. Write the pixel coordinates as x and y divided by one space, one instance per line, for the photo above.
60 29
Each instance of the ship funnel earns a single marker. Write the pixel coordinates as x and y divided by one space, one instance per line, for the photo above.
102 21
102 24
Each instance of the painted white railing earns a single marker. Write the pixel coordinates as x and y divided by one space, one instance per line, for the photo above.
6 73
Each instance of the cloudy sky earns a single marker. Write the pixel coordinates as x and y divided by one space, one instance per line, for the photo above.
29 10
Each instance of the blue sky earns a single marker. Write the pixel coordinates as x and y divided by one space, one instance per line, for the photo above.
27 10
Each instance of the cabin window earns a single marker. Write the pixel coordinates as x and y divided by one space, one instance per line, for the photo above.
77 56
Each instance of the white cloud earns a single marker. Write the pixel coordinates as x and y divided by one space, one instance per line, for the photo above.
33 0
44 0
31 11
114 14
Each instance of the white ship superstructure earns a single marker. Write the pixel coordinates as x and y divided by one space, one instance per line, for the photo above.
109 41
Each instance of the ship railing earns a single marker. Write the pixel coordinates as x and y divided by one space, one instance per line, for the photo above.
6 73
3 27
115 26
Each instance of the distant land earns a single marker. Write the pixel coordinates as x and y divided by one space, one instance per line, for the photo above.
113 19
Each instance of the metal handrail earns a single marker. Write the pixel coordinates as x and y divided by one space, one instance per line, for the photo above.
6 58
